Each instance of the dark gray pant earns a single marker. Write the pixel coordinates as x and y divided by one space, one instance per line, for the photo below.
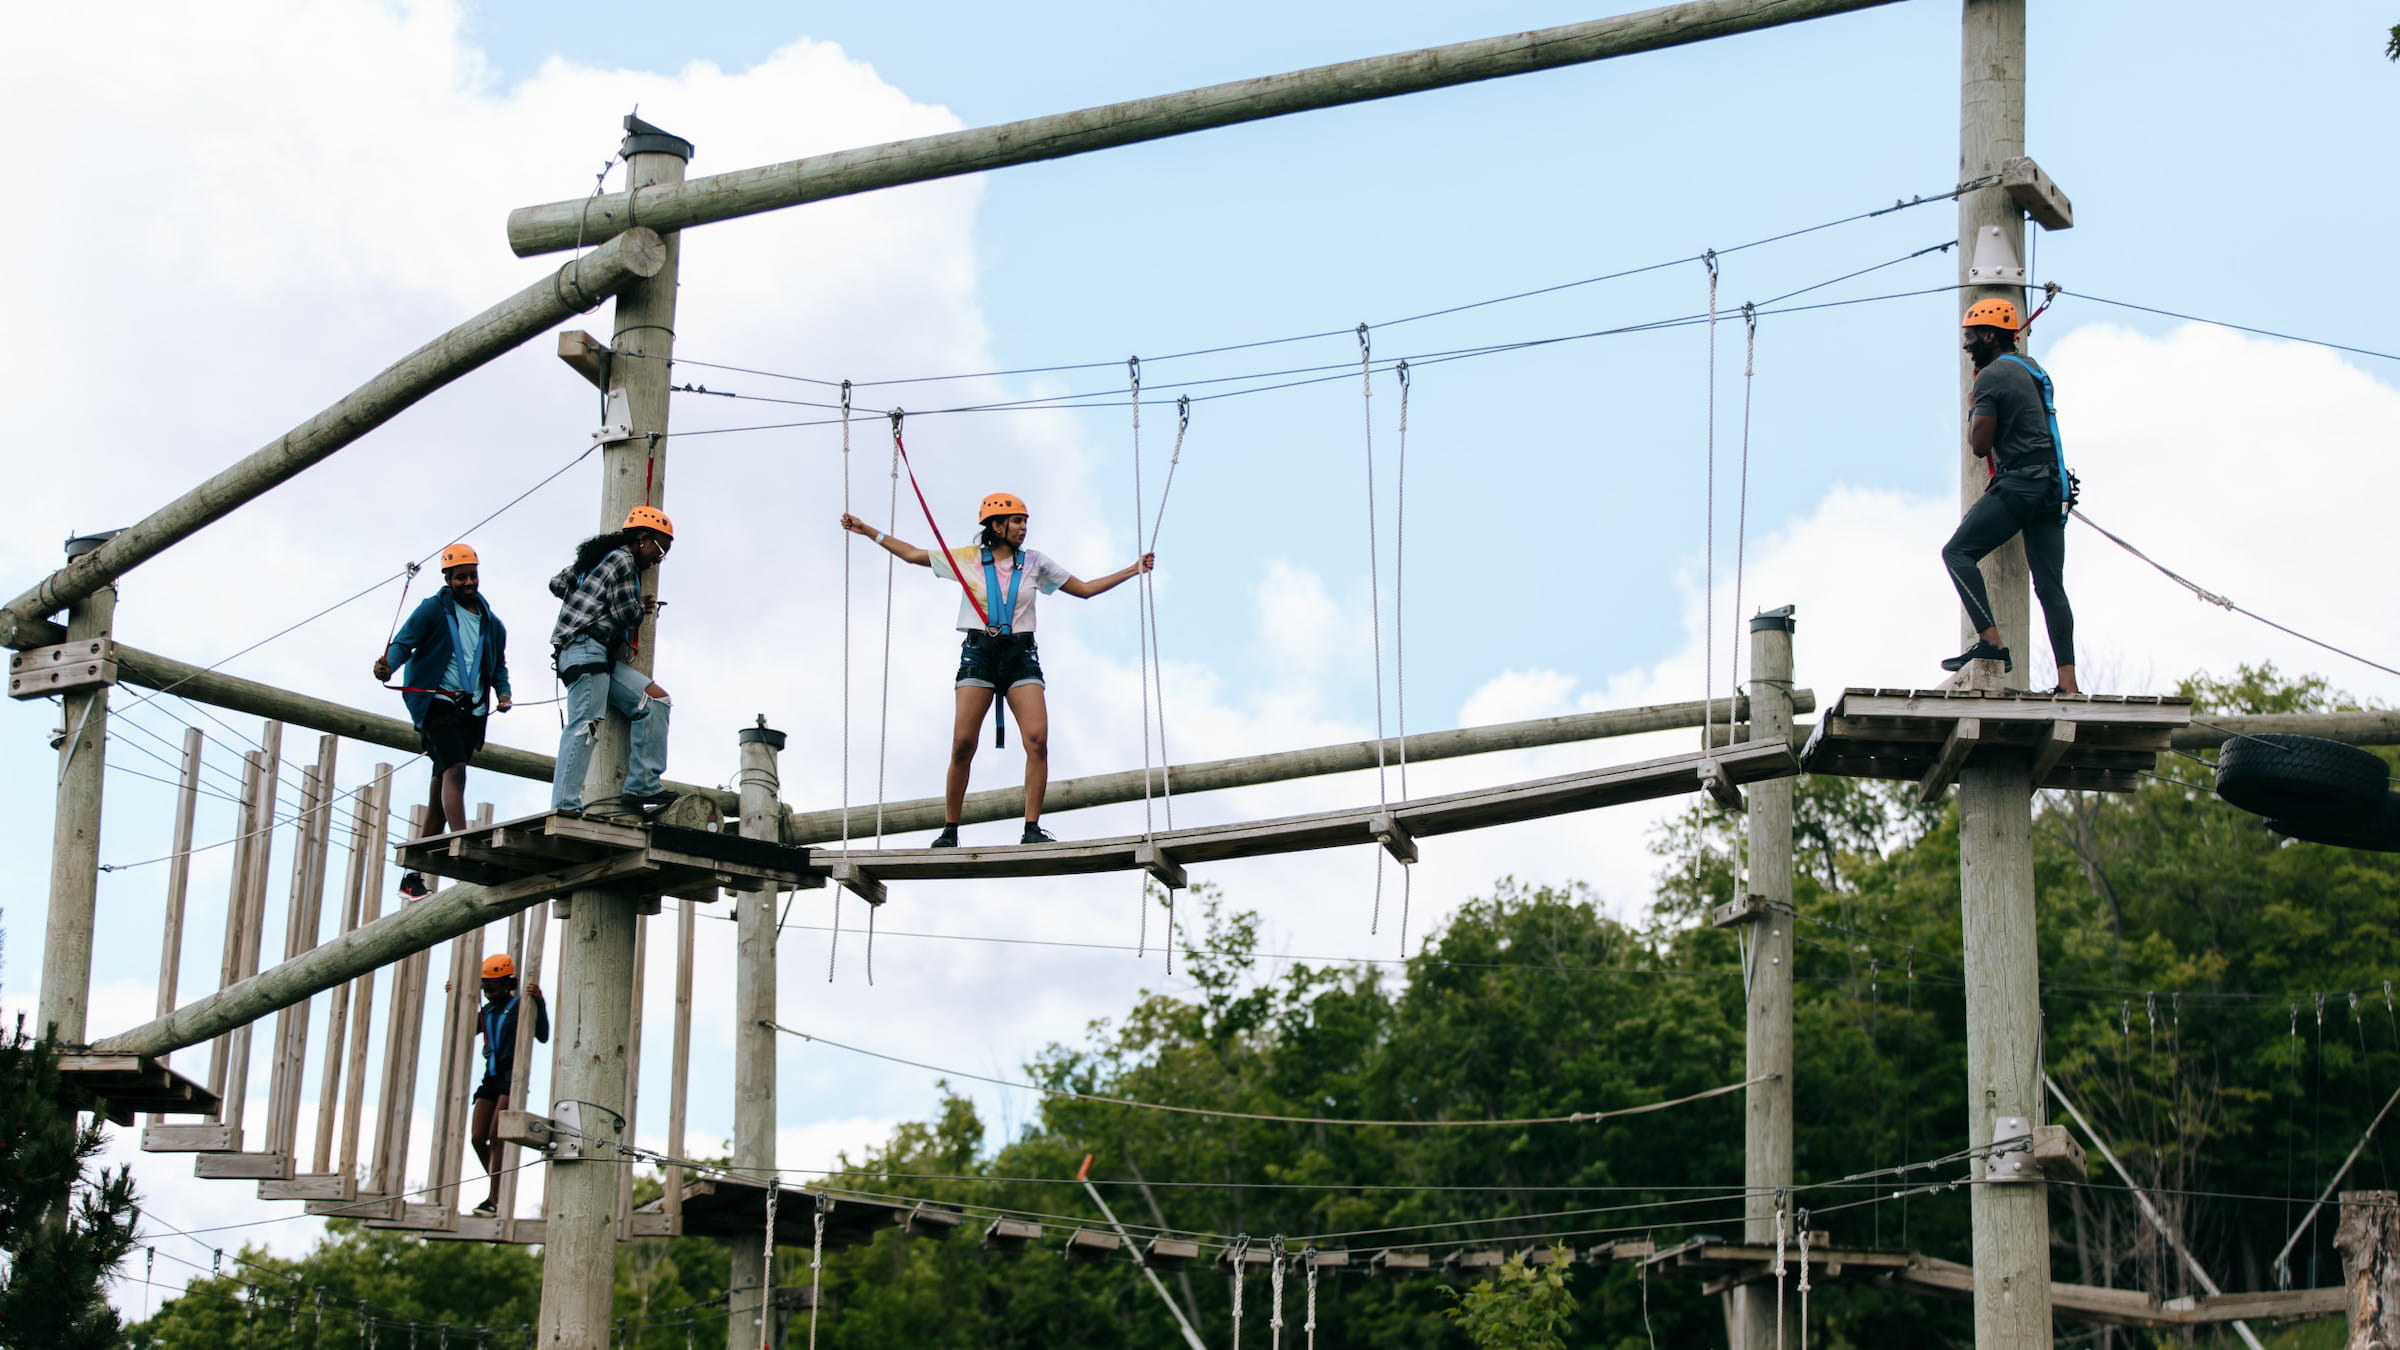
2016 504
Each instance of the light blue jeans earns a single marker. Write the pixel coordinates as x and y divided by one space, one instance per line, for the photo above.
588 699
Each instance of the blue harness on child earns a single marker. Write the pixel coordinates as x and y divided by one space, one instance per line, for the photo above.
495 1034
2066 481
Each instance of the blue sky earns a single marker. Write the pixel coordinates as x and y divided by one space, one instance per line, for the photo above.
279 202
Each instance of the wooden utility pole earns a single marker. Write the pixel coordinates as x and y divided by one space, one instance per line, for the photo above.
749 1287
595 1012
75 832
2369 1241
2011 1222
1767 986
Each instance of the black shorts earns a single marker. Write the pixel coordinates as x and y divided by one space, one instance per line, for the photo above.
493 1085
1003 662
450 735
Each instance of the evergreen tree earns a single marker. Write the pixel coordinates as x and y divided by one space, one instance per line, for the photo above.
63 1230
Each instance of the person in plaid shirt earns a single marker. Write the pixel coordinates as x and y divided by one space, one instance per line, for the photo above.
598 621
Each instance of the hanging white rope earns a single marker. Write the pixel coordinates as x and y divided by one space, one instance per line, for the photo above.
1141 610
766 1266
1399 633
816 1265
1366 391
1804 1280
1308 1327
1241 1258
883 728
846 537
1158 668
1741 513
1779 1213
1275 1290
1708 494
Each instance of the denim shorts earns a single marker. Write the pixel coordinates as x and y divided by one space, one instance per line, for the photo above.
988 662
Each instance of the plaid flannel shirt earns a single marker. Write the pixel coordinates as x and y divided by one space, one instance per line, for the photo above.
606 604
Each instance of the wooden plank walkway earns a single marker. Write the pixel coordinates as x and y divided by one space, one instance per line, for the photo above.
2093 742
1722 1265
1395 826
554 853
121 1086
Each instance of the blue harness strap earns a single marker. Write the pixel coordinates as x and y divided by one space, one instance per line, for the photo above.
495 1026
1003 616
2058 446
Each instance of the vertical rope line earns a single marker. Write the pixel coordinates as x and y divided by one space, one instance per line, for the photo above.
1158 665
1308 1326
1366 393
883 730
816 1264
846 537
1241 1258
1399 634
1741 512
1708 496
1141 613
1803 1228
766 1266
1779 1269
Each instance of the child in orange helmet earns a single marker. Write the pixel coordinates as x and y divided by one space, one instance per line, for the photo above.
456 650
997 658
497 1021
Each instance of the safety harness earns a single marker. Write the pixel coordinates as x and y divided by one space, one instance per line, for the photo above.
2068 487
495 1023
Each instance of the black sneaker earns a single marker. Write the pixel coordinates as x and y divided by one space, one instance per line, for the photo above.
1035 834
948 838
488 1207
652 801
413 885
1981 651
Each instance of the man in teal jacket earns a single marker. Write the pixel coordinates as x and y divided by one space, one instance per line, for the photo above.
456 650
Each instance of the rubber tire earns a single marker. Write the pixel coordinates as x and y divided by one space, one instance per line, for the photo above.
2306 780
2380 835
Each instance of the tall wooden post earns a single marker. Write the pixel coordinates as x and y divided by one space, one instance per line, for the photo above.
75 832
595 1005
1767 985
179 879
749 1290
1991 130
2369 1242
2011 1220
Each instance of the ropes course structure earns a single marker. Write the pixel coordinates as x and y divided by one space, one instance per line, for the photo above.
602 879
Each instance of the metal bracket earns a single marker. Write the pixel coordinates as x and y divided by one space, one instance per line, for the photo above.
566 1141
616 420
2018 1164
1394 836
1995 261
42 671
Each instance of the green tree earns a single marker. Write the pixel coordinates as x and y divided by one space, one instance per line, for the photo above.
1526 1309
63 1228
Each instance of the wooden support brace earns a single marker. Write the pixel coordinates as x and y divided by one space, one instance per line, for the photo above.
83 664
523 1128
2058 740
1154 860
855 879
241 1166
1734 913
1965 733
2035 195
1394 836
2057 1154
586 355
1719 786
312 1186
189 1139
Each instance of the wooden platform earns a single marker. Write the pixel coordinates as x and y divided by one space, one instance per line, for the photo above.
121 1086
717 1207
1395 826
2091 742
1722 1265
555 853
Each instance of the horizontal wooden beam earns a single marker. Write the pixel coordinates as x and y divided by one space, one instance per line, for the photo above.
1216 775
675 206
575 287
2132 1307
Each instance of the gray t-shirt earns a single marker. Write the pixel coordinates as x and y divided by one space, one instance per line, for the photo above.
2007 392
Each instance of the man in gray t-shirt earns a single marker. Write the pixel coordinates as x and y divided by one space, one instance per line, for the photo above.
2009 424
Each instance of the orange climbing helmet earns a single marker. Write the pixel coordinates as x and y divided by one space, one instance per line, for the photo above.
459 555
1001 504
649 518
499 967
1991 314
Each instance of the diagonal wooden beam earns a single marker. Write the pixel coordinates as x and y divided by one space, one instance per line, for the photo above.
575 287
699 201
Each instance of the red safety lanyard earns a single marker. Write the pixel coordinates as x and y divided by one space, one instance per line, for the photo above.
901 448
